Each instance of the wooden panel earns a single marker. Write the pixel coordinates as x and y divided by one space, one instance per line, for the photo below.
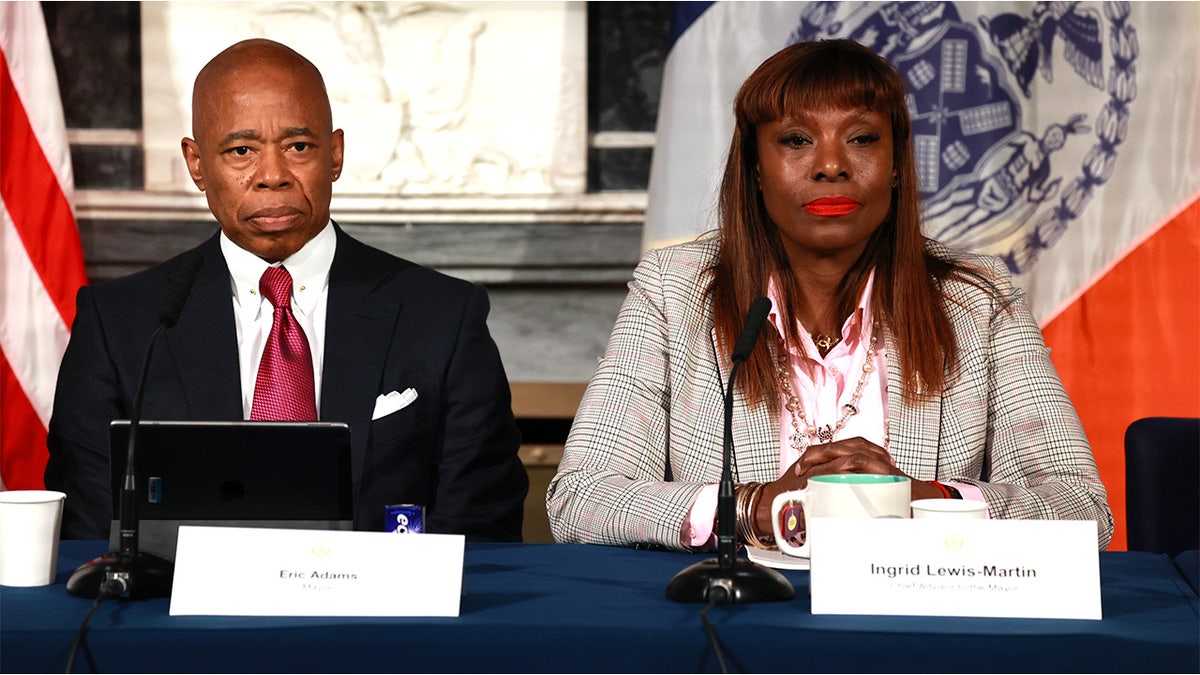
542 400
535 528
541 454
547 400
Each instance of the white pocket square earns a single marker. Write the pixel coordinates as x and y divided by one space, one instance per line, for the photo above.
390 402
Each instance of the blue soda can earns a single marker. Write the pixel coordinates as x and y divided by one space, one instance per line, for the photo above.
404 518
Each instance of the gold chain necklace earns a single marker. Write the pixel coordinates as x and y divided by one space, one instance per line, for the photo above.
800 440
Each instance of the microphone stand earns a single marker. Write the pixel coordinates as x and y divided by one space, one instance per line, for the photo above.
138 575
726 578
128 572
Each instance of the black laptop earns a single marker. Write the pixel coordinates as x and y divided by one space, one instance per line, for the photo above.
248 474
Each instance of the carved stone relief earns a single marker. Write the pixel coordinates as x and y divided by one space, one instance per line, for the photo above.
472 98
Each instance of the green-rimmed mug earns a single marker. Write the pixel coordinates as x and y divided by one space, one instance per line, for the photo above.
844 495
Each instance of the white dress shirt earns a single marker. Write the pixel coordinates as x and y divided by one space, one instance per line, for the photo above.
254 315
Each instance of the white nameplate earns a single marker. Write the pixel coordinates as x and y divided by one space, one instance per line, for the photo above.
243 571
1045 569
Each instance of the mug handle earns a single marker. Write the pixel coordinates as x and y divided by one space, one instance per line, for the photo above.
777 505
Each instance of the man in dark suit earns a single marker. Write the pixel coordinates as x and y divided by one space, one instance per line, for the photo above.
381 329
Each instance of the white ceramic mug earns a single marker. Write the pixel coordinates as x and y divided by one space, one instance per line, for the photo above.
850 495
959 509
29 530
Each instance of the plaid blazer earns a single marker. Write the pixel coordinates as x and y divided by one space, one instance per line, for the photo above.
649 430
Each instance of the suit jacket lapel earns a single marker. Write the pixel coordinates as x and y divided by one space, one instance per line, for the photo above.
359 327
203 345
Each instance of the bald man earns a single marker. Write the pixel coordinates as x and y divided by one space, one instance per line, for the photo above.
265 154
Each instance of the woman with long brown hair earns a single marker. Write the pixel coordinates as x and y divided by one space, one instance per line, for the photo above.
884 353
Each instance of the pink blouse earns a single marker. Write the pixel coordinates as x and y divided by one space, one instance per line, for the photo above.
822 386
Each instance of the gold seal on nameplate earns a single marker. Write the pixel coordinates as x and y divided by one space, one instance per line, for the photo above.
953 542
320 550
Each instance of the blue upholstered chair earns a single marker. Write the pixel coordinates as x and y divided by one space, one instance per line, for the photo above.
1162 484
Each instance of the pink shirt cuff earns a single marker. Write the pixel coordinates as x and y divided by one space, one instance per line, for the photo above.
968 491
697 530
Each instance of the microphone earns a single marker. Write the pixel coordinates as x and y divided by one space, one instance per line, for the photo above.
129 572
726 579
755 318
726 537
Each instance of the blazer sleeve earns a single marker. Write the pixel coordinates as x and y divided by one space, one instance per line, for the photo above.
614 484
481 484
1037 461
86 398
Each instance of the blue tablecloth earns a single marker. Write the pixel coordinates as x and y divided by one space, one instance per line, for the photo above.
1188 563
574 608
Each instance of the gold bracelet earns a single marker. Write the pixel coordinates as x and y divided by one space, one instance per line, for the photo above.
765 543
741 508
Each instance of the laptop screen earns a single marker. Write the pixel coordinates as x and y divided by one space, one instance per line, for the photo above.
236 471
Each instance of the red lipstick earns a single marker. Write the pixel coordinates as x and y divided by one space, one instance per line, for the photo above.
832 206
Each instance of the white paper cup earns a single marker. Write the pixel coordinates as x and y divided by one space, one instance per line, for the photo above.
29 529
959 509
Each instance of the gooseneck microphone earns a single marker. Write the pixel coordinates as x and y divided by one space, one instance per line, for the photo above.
726 579
726 519
128 572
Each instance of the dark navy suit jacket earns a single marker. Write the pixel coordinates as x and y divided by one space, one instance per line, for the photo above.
391 325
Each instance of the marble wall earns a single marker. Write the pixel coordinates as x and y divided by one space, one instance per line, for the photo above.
555 268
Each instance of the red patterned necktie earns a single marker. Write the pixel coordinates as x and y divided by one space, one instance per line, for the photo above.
284 389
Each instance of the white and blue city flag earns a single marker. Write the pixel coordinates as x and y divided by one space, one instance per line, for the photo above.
1062 137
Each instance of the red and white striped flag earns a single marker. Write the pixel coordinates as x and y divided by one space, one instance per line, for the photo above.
41 258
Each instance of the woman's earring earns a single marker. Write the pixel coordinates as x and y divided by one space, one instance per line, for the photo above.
895 182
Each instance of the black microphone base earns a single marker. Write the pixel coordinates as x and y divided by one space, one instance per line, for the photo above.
148 577
744 582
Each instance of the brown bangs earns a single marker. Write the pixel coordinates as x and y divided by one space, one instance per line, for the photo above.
814 77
